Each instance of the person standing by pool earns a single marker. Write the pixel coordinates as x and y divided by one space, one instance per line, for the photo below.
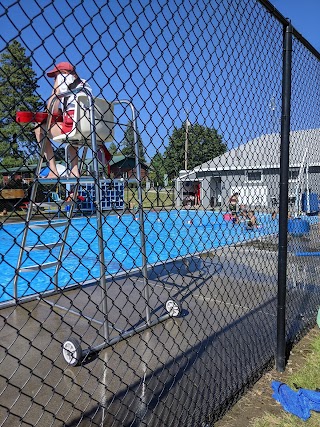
233 202
65 79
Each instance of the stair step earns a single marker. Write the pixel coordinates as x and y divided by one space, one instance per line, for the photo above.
37 267
50 224
43 246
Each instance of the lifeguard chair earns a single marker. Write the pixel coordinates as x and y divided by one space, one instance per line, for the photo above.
82 130
103 112
93 125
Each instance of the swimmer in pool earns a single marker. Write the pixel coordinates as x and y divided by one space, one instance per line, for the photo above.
252 220
234 218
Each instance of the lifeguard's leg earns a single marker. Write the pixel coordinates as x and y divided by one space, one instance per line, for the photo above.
73 153
40 133
56 130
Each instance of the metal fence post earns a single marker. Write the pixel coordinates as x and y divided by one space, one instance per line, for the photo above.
283 205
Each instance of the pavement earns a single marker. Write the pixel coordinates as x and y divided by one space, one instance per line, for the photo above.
189 368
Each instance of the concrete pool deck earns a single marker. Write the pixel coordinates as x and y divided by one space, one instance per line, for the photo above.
229 307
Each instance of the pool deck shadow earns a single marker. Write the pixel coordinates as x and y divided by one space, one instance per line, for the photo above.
224 294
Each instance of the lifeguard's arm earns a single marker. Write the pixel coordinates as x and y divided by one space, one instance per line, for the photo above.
56 103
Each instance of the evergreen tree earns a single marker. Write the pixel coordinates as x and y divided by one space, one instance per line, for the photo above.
203 145
128 143
113 149
18 85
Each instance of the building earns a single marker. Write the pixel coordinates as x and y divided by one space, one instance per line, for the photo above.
253 171
21 173
120 167
125 167
122 172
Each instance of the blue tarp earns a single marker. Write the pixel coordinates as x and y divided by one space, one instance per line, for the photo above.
299 402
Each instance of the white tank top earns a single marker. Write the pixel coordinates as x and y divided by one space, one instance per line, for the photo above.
64 80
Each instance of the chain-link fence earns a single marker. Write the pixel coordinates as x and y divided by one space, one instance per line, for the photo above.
143 148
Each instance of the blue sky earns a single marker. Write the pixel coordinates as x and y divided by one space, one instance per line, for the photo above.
211 58
304 16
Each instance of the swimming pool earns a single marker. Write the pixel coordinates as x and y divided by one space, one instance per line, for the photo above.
169 234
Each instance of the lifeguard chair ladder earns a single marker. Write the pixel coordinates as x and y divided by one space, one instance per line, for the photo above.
94 120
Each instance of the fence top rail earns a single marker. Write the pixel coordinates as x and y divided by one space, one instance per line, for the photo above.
286 22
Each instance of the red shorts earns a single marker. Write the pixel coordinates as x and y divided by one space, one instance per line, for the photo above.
67 124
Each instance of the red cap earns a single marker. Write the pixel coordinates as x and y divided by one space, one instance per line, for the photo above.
61 66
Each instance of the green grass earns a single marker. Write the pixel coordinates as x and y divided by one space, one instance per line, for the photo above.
307 377
150 199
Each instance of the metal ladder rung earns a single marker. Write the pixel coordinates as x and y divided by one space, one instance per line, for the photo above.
38 266
43 246
50 224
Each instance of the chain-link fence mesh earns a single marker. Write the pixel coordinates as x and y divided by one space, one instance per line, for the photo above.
140 207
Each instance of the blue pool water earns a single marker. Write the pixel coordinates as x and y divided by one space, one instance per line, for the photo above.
168 235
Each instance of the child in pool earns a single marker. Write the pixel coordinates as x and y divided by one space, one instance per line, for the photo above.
234 218
252 220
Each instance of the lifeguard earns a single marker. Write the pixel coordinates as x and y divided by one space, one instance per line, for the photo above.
65 80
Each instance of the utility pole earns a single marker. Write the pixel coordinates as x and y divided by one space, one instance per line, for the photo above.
186 145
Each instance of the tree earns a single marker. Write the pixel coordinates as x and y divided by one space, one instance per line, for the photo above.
203 145
128 143
113 149
157 170
18 85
